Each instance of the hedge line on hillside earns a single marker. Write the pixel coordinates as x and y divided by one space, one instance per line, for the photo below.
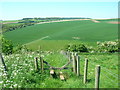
102 47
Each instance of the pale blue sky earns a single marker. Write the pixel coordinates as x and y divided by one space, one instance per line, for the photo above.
19 10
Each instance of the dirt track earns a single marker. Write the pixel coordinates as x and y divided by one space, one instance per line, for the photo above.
63 21
95 21
112 22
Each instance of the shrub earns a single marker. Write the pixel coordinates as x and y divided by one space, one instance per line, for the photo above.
73 48
76 48
108 46
7 46
67 47
81 48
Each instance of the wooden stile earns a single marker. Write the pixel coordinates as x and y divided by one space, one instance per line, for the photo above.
53 74
62 77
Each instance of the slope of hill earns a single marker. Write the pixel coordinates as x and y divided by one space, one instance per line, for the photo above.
84 31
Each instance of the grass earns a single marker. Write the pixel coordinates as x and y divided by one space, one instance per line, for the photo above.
23 75
58 34
54 45
84 30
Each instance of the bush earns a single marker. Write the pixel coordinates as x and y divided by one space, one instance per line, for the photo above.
76 48
73 48
7 46
81 48
108 46
67 47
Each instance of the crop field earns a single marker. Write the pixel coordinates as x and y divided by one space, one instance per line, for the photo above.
83 31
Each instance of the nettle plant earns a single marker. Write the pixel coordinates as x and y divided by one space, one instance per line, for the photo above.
108 46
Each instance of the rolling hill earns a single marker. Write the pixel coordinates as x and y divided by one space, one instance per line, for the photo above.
80 31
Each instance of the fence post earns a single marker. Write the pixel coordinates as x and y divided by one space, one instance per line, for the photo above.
3 62
36 63
41 64
75 58
85 70
69 56
78 65
74 64
97 77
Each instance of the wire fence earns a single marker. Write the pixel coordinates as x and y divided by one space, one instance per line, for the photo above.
106 74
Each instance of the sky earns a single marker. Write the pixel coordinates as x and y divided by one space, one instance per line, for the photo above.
13 10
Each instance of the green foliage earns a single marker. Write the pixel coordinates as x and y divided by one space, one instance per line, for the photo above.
67 47
76 48
73 48
108 46
102 47
7 46
14 26
81 48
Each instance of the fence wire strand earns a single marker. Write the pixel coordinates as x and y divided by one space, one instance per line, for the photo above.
113 82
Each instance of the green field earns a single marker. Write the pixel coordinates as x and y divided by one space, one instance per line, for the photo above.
83 31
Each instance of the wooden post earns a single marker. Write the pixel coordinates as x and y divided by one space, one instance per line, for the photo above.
3 62
69 56
85 70
41 64
36 64
97 77
78 65
76 54
74 63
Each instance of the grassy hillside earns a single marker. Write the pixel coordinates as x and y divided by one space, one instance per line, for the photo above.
83 31
54 45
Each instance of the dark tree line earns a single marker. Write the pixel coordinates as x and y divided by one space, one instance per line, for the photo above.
8 27
54 18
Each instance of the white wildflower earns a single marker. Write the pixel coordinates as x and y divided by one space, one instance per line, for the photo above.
1 82
15 85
